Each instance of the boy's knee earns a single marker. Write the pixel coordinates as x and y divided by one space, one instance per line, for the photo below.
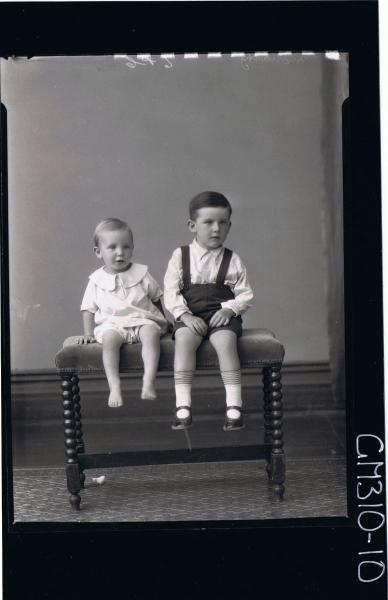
224 340
186 339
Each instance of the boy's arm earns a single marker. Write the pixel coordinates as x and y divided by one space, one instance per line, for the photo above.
243 292
88 323
173 299
221 317
243 295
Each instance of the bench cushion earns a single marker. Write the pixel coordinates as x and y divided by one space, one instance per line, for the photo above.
257 348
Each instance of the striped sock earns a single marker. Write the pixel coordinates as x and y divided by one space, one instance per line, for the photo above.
183 381
232 383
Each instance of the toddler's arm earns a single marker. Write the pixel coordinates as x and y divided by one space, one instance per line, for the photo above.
159 306
88 322
88 308
155 294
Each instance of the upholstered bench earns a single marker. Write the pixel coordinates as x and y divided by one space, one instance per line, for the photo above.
258 349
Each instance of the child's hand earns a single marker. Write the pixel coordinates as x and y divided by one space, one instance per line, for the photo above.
195 324
221 317
85 339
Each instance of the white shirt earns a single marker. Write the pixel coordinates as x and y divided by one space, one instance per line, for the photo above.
204 266
124 298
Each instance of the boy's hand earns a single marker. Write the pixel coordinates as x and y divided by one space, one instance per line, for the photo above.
195 324
85 339
221 317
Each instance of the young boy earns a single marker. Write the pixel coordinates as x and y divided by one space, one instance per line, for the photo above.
206 289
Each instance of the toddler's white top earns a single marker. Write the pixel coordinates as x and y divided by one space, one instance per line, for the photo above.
125 298
204 266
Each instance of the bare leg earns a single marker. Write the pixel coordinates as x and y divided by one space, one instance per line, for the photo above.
186 344
111 344
225 344
150 339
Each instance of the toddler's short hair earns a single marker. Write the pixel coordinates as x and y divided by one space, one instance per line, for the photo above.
110 225
208 199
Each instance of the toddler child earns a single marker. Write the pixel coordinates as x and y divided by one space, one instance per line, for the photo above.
206 289
122 304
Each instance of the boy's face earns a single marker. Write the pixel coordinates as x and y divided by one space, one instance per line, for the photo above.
115 249
211 226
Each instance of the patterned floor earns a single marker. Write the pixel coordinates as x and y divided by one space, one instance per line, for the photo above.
315 487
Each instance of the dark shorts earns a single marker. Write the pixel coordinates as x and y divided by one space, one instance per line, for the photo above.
235 324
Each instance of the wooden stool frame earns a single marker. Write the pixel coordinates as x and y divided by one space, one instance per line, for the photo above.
77 460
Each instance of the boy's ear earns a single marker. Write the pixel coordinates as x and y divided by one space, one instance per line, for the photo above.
97 251
191 225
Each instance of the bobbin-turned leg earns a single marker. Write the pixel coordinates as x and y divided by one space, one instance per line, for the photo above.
69 380
80 446
278 465
266 377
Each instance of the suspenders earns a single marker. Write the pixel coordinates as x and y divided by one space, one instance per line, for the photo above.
186 266
222 271
224 266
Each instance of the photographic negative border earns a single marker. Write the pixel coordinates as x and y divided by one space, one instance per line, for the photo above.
291 556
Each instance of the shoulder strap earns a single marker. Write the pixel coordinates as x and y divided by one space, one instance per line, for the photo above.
224 266
186 265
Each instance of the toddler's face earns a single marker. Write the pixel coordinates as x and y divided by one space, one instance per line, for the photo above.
211 226
115 249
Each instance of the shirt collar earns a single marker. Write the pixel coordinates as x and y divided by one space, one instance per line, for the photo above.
201 252
129 278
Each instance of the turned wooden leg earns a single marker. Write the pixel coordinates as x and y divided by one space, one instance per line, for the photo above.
77 414
278 467
72 466
267 415
80 446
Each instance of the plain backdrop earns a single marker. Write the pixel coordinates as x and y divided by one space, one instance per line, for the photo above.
90 137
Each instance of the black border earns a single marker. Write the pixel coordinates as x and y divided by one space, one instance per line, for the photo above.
311 558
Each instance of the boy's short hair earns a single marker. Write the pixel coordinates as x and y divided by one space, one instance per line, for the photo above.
208 199
110 225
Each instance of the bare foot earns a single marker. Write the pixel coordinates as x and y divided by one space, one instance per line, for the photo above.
115 399
148 391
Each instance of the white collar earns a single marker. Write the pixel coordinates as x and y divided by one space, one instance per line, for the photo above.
202 251
129 278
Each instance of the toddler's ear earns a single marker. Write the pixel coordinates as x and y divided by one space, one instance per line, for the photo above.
97 251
